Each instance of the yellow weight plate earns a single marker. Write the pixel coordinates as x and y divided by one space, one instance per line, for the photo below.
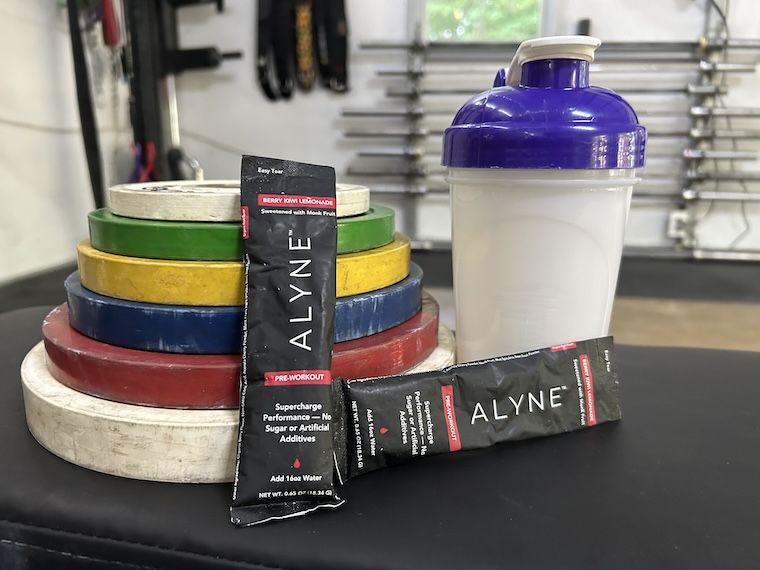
374 268
171 282
161 281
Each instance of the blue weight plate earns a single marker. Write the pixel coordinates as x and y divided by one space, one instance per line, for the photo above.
150 326
217 329
365 314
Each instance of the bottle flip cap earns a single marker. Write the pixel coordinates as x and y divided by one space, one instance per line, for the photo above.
556 47
542 113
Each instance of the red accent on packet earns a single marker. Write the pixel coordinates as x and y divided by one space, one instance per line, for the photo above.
244 220
452 430
290 377
560 347
297 201
588 388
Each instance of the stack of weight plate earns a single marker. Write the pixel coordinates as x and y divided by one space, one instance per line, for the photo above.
138 373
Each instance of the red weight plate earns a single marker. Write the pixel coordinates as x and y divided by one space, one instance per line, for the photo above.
140 377
211 381
392 351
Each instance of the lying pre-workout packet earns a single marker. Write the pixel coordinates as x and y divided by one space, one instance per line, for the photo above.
393 419
285 460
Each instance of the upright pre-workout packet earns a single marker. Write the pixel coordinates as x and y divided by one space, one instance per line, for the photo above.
392 419
285 446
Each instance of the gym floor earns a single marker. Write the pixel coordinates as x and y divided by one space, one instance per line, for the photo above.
660 302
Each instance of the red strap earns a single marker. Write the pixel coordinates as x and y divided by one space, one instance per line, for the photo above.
110 25
150 162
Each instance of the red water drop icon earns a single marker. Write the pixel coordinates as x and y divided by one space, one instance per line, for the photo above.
383 430
296 463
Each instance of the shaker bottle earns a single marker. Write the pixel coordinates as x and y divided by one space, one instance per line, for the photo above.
541 169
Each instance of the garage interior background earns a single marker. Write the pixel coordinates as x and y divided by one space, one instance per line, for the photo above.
222 114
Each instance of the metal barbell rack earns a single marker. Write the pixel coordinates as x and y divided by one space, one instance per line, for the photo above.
398 141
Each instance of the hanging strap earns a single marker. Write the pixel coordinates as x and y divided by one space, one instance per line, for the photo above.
283 43
304 44
86 109
319 27
337 45
264 63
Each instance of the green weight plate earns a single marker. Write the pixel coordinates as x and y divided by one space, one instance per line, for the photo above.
155 239
217 241
367 231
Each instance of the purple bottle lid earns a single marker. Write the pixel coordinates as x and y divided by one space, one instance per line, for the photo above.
542 113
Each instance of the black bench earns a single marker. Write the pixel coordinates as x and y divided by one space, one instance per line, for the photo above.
673 485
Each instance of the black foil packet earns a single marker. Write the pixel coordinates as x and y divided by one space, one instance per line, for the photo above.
393 419
285 459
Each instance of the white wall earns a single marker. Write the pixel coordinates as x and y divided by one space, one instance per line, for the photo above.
645 20
227 105
44 185
41 172
43 178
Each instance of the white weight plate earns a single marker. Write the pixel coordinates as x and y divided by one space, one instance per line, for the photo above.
206 200
139 442
181 200
352 200
444 354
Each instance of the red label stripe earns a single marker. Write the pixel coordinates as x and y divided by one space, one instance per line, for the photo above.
290 377
561 347
588 388
281 200
449 414
244 220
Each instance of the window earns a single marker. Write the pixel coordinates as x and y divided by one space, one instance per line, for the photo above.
482 20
